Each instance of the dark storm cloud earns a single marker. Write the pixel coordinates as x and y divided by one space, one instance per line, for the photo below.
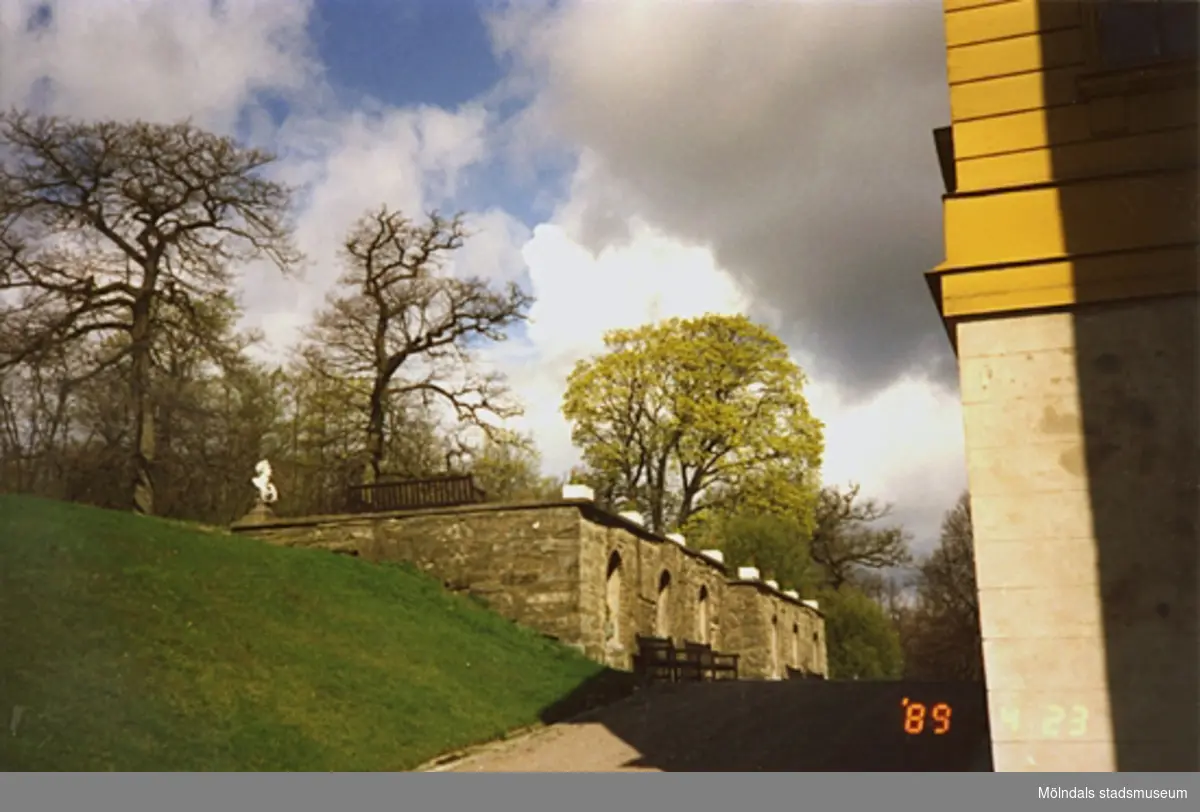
792 138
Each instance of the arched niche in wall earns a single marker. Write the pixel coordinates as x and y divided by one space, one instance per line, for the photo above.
775 669
702 615
612 600
662 606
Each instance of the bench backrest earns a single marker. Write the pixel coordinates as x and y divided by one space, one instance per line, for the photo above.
654 642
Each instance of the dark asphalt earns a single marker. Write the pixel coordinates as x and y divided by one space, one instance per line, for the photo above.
799 726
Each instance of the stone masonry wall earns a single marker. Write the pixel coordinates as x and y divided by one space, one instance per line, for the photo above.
747 629
1081 435
547 566
524 562
644 559
798 641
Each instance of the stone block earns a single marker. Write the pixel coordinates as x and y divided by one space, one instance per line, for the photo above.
1031 517
1064 562
1006 336
1046 610
1039 375
1085 715
1053 466
1029 421
1045 663
1044 756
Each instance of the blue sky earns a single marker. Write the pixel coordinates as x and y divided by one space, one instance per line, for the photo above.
406 52
416 52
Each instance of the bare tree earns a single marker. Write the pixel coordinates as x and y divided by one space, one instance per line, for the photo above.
34 420
407 327
848 537
105 227
892 590
944 641
508 468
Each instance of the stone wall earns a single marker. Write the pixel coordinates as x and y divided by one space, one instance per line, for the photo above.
773 631
523 561
646 567
589 578
1082 444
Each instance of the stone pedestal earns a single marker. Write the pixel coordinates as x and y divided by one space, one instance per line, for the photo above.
1081 434
260 513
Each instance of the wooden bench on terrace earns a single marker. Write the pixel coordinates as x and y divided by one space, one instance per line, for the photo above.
801 673
414 494
655 659
660 660
700 662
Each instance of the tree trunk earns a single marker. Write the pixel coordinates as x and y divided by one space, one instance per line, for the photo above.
143 421
685 506
372 469
375 447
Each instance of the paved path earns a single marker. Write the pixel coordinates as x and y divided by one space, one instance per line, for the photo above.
751 727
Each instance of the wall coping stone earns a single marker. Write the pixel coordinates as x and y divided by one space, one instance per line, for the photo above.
587 508
762 587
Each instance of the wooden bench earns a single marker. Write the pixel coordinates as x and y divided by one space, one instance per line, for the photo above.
414 494
655 659
659 659
800 673
708 663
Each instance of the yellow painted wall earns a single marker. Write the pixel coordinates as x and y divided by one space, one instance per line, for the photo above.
1038 126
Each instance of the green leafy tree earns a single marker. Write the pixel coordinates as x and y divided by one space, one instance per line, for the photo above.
687 409
777 545
862 641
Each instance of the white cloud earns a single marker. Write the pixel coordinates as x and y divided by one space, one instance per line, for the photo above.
350 163
211 62
493 248
157 61
904 445
580 295
784 148
793 138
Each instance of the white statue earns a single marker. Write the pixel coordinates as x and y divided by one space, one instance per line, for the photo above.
267 494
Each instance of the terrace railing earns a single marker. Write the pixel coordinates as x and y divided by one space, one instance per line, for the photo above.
414 494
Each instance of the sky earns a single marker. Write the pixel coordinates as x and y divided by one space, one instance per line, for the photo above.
623 161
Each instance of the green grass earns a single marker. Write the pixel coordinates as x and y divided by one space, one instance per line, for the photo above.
142 645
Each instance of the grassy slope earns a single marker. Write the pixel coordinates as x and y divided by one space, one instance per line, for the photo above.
137 644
